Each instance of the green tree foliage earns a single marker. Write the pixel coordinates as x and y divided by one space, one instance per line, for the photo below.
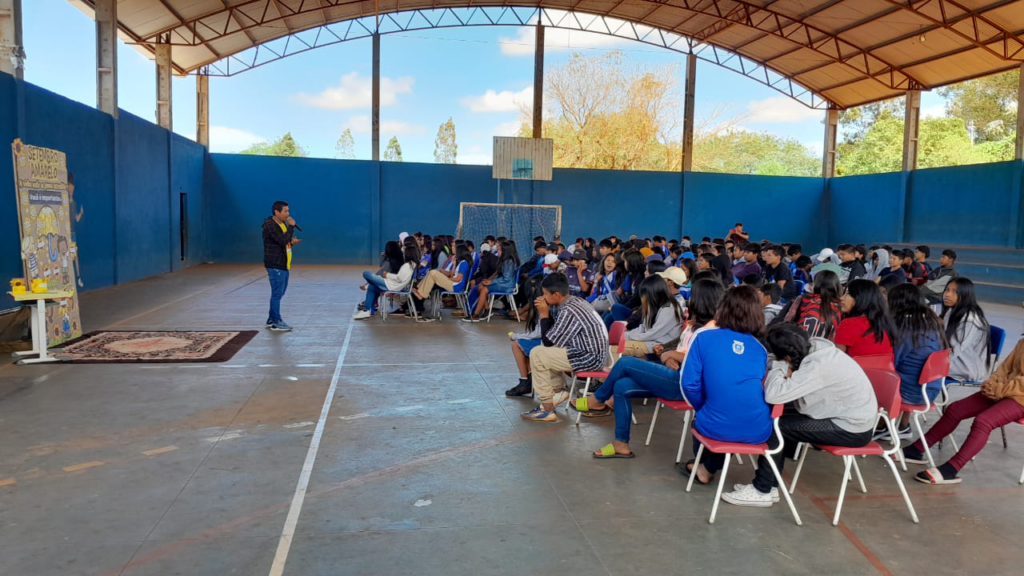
445 147
988 104
743 152
345 148
393 153
283 146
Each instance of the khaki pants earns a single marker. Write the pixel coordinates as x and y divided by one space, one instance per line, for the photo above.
635 349
548 365
434 278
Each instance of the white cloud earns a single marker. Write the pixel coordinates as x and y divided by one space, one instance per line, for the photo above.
524 42
360 124
507 129
780 109
504 101
355 91
224 139
936 111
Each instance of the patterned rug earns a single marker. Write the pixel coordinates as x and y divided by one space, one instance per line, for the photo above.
136 346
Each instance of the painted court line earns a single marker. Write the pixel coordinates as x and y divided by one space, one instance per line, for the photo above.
354 416
156 451
460 401
288 533
83 466
299 424
407 408
8 482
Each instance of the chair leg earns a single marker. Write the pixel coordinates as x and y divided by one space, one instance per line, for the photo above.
842 490
654 420
572 390
903 489
1003 430
645 401
860 479
782 489
739 459
686 431
799 467
515 309
718 493
956 447
1021 481
490 306
696 462
920 434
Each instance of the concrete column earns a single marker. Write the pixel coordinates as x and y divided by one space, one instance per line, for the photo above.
163 85
375 106
12 48
106 56
689 103
203 109
911 130
828 161
1019 151
538 84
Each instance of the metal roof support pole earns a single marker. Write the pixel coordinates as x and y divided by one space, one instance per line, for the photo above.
163 85
828 161
538 84
203 109
1019 151
375 98
106 56
689 103
12 48
911 130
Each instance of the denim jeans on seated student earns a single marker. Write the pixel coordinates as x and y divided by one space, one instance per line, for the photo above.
636 378
616 314
374 288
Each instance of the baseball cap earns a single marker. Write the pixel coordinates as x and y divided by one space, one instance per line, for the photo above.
580 255
824 255
655 258
402 237
565 256
675 274
550 261
485 247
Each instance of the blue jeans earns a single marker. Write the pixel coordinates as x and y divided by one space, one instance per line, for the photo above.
278 285
636 378
618 313
375 286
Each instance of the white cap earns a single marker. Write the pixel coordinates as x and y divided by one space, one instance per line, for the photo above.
824 255
402 237
485 247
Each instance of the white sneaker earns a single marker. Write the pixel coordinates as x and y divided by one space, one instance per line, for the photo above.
559 397
362 315
774 493
747 495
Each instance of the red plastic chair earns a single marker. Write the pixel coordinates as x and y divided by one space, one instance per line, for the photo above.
728 448
935 368
616 337
878 361
887 394
681 406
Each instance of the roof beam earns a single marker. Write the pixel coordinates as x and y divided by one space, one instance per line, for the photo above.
976 15
190 28
232 17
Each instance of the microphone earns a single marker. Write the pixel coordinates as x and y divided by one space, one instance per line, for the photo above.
299 228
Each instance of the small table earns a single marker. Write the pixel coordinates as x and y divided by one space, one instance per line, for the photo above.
39 335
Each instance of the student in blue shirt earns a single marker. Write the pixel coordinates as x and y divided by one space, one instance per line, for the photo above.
722 376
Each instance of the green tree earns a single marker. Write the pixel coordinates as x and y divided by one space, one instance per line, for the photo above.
446 149
987 104
743 152
283 146
345 148
393 153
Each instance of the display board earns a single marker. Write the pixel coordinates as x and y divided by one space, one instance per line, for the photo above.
522 158
48 249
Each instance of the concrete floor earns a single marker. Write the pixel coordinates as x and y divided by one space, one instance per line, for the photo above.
424 468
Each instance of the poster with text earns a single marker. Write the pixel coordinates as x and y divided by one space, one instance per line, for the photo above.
48 248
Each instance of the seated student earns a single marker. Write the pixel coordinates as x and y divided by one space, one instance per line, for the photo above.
908 263
690 267
532 267
575 341
636 378
894 266
391 261
793 253
754 280
802 269
999 402
833 399
852 269
818 311
453 280
867 328
388 281
606 282
705 262
967 331
749 265
675 256
770 296
889 282
919 333
675 279
823 261
628 295
661 319
920 269
524 342
860 254
581 278
777 272
503 281
938 278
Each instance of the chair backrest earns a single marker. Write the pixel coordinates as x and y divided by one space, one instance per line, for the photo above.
935 368
887 390
617 336
876 361
777 410
998 337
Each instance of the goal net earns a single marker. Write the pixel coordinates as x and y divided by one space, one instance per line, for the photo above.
519 222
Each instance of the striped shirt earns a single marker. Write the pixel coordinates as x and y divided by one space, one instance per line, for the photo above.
582 333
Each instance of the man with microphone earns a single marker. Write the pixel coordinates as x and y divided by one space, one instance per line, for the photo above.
278 239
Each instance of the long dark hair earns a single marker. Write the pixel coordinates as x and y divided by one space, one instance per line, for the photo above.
533 291
393 256
741 311
411 253
654 295
788 341
966 304
636 267
829 289
724 272
869 303
705 296
689 266
463 254
508 253
913 318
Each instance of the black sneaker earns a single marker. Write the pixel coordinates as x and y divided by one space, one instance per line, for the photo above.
914 456
522 389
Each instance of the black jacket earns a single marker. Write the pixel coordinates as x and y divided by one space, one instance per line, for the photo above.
275 244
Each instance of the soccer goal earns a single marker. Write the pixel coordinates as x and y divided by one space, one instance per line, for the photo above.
520 222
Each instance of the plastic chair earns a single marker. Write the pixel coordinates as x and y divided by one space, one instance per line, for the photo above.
404 294
680 406
511 298
996 337
800 285
616 337
876 361
887 394
728 448
935 368
461 298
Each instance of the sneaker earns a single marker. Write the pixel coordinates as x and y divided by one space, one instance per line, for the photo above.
281 327
361 306
559 397
522 389
471 319
747 495
914 456
881 435
539 414
270 323
423 319
362 315
904 432
774 493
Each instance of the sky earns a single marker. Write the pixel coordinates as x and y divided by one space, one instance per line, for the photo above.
477 76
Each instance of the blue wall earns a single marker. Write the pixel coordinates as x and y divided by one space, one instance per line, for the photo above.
969 203
865 209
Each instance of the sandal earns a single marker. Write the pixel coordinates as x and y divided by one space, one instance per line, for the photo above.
608 452
580 405
686 470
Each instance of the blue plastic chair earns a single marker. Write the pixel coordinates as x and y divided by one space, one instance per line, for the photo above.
511 298
800 286
405 295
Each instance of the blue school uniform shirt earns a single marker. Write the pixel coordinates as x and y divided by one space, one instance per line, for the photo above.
463 269
721 377
910 361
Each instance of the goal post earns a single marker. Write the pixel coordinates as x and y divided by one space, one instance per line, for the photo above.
520 222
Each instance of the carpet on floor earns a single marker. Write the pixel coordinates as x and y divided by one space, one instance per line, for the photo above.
135 346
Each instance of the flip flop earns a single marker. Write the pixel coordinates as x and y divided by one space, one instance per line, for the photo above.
685 471
608 452
581 406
